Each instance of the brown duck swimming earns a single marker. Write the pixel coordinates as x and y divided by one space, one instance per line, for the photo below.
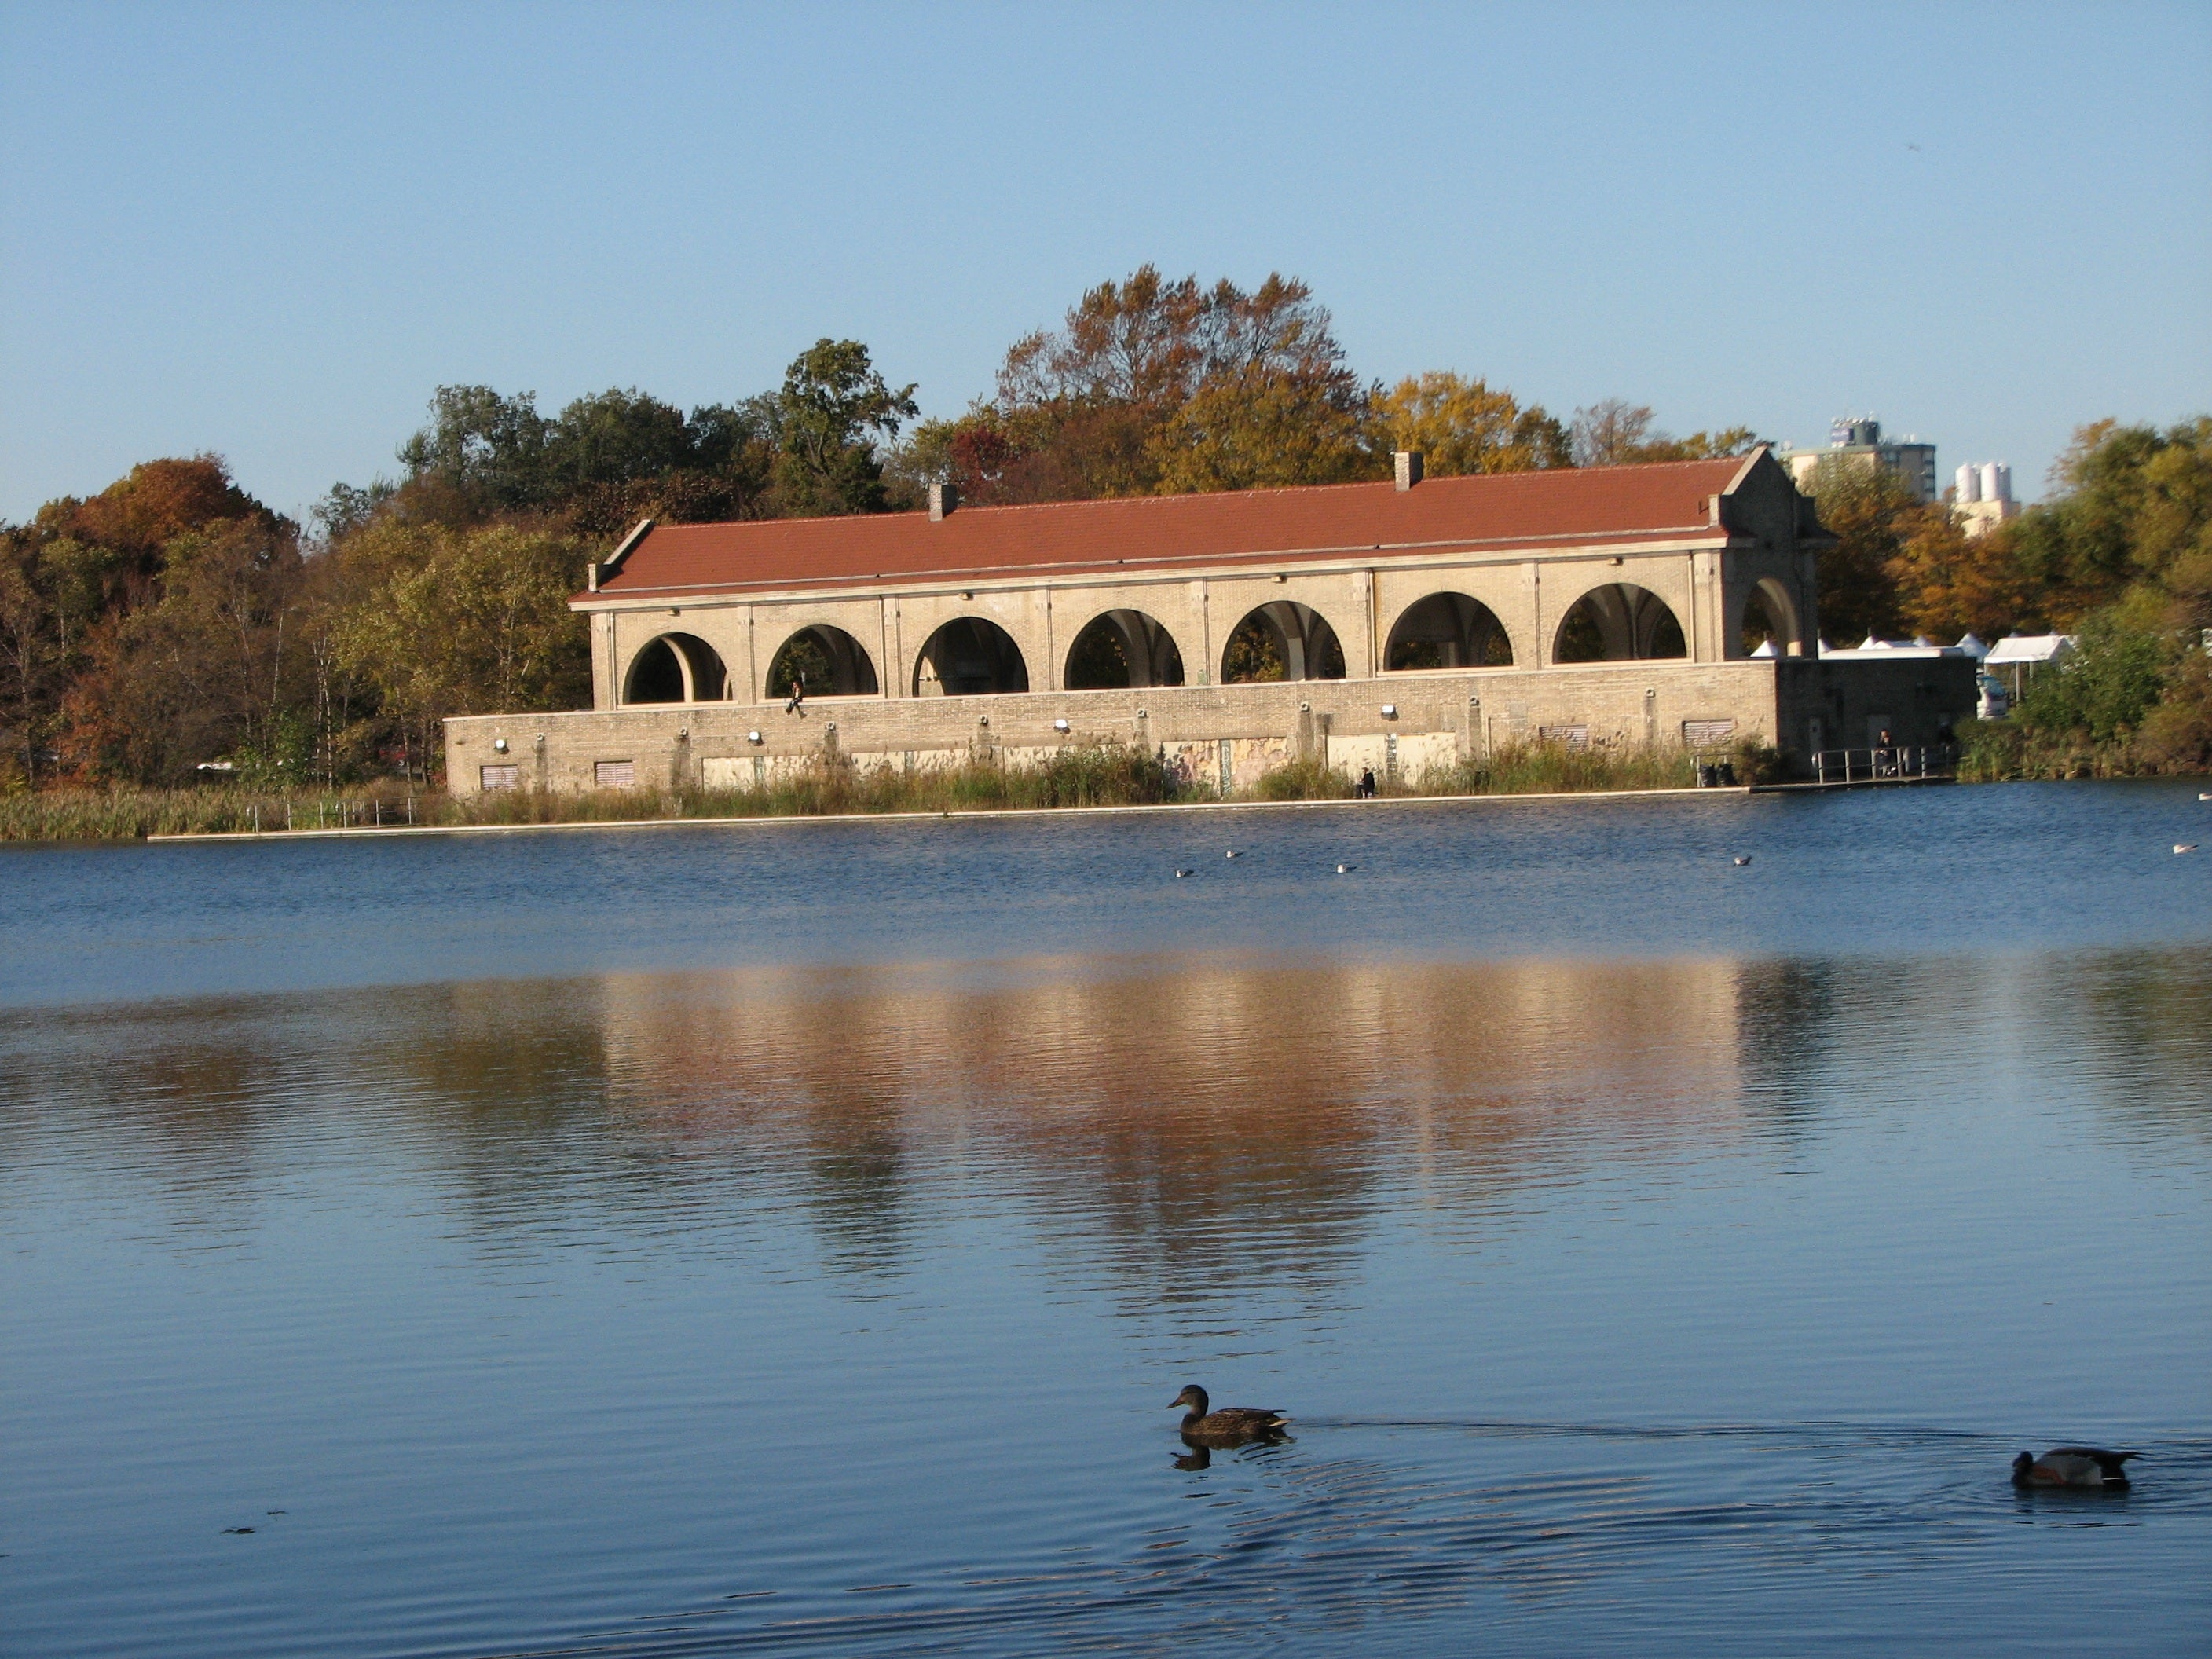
1232 1425
2072 1466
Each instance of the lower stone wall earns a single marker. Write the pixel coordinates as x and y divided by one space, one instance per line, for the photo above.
1227 735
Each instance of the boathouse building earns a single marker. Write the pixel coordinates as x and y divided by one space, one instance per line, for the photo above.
1401 625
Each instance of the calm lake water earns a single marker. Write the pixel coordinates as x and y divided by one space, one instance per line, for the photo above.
788 1238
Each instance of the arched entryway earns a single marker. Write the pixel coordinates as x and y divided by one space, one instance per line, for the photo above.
1619 622
1770 617
1282 639
828 661
1449 630
1123 648
676 668
969 656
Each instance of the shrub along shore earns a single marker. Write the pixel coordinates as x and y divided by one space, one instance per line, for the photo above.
2000 751
1105 774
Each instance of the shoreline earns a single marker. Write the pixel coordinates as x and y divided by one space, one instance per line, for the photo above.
360 831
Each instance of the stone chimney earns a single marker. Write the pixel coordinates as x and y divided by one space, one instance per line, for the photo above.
1409 467
943 498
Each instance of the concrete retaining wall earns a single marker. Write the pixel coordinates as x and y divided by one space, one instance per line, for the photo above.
1440 718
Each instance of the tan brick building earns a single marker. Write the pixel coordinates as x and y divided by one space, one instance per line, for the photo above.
1395 625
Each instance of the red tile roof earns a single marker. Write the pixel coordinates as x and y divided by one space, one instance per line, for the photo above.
1503 512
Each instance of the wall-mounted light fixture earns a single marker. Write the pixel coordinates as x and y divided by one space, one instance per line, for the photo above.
752 738
1060 726
1389 711
1614 561
982 720
682 734
500 744
831 726
1281 577
967 596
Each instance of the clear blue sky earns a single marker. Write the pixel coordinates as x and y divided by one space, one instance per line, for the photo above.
271 231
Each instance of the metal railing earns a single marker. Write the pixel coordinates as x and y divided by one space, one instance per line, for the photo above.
1875 765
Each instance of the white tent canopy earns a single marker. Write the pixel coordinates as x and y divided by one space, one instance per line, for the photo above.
2030 648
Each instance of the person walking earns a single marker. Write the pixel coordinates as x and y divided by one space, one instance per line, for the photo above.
798 694
1367 783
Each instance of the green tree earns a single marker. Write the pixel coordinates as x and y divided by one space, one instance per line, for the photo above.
348 509
2125 546
488 449
1871 513
467 622
834 410
2104 690
2133 505
615 437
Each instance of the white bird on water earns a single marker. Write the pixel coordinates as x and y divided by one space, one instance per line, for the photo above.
1346 869
1180 874
1230 853
1742 860
2184 847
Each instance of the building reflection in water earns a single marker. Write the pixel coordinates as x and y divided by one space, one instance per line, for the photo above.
1202 1119
1180 1120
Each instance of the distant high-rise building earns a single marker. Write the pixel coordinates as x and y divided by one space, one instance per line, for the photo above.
1981 497
1858 440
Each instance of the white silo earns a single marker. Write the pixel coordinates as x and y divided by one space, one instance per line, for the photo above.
1970 485
1997 482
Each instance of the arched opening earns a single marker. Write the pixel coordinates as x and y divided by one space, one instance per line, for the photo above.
1123 648
1449 630
1282 639
1619 622
828 661
1770 622
676 668
969 656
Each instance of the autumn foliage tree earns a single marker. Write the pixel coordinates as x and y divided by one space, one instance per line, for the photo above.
1465 425
173 621
1158 386
2125 545
142 629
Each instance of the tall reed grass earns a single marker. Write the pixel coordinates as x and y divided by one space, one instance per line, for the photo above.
133 814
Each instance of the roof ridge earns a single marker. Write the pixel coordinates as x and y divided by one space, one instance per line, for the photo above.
1542 508
967 509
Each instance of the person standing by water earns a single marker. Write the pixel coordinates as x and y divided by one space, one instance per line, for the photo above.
798 695
1367 783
